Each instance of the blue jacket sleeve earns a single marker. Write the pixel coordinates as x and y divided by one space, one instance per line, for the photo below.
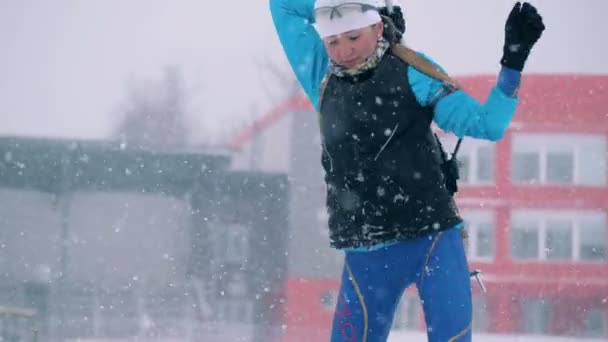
463 115
293 21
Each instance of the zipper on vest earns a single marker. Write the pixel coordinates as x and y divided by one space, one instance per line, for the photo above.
331 160
386 142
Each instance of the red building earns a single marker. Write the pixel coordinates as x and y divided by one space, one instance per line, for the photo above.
536 205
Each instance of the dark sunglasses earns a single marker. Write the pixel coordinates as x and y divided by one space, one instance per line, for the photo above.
339 10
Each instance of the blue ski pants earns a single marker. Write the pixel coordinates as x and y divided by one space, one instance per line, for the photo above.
373 282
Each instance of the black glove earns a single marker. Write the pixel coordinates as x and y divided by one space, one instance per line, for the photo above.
523 29
396 19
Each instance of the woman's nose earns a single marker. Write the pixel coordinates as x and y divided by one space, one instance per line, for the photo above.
347 51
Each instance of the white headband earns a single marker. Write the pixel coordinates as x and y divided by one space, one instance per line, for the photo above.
350 20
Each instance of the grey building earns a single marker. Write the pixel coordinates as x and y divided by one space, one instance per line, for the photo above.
289 142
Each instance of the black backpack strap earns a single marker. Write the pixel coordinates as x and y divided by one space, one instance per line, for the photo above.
423 65
449 166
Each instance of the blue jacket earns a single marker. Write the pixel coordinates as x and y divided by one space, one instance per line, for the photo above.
457 112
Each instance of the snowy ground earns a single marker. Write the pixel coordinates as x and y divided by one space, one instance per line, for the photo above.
399 336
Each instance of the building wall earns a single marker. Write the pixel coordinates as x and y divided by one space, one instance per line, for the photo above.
28 218
309 251
104 241
269 150
292 145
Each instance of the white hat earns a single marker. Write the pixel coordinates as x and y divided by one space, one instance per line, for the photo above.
347 15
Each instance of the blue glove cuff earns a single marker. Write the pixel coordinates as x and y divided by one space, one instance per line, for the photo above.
508 81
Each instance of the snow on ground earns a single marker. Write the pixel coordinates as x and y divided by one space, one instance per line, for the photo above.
400 336
396 336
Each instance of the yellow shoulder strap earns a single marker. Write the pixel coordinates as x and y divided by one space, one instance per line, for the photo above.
412 58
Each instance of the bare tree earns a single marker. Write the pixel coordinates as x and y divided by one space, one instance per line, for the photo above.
277 79
154 114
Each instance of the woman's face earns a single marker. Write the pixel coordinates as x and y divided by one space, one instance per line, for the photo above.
351 48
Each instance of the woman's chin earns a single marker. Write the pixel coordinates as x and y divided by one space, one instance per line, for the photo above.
351 64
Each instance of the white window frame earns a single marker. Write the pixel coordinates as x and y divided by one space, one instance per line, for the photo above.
470 148
543 143
541 217
473 217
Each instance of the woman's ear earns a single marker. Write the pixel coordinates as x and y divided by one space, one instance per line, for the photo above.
380 29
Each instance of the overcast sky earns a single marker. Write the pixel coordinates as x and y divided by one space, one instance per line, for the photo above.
65 64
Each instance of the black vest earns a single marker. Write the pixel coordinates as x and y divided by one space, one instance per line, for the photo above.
381 160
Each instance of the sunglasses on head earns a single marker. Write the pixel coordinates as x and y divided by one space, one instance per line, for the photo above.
339 10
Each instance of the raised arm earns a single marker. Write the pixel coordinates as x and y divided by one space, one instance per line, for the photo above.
293 20
461 114
457 112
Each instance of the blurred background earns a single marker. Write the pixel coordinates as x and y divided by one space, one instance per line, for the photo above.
160 176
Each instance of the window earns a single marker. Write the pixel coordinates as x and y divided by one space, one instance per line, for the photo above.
592 238
558 240
558 235
559 159
481 317
482 241
560 167
595 323
464 166
524 239
476 159
485 163
536 316
526 167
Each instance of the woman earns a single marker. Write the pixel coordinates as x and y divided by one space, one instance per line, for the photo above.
388 204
